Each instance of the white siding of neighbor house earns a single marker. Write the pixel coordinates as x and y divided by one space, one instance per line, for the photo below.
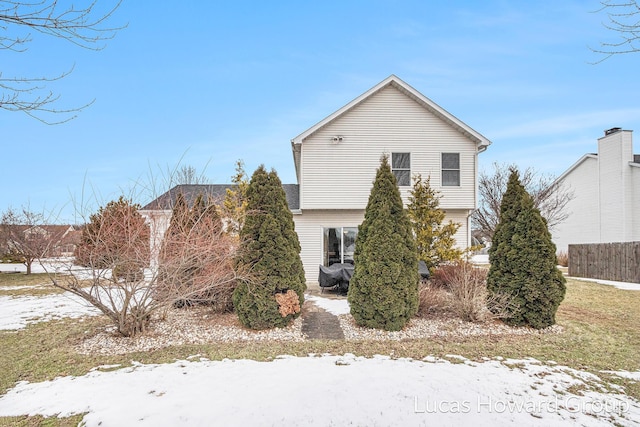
606 196
310 225
340 175
582 225
635 202
614 154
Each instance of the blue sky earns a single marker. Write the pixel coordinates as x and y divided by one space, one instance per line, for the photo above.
206 83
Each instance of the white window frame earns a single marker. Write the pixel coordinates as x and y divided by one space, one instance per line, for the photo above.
443 170
398 169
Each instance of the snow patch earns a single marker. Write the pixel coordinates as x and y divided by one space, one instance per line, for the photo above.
18 312
626 286
328 390
333 306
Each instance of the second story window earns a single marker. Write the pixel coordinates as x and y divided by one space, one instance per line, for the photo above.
451 169
401 168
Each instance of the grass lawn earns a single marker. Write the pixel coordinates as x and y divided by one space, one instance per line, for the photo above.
601 332
21 284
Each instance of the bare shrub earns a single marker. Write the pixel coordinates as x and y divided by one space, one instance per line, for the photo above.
196 260
468 291
468 295
563 258
117 281
440 276
432 299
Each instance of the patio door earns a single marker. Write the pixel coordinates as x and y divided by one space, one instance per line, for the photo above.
339 245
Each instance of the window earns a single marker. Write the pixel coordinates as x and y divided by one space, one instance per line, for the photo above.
401 168
451 169
339 245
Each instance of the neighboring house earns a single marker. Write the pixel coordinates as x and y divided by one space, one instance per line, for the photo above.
336 162
606 187
45 240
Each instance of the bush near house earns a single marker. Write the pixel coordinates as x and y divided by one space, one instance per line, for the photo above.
192 269
116 237
383 292
434 237
523 260
270 249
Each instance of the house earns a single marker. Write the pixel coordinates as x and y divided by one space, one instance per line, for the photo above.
606 187
41 240
336 161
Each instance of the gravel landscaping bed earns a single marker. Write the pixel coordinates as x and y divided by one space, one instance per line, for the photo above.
198 325
194 325
435 327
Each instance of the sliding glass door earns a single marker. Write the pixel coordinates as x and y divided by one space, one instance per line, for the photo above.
339 245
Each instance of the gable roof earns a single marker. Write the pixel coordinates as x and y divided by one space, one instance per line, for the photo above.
216 192
427 103
481 141
576 164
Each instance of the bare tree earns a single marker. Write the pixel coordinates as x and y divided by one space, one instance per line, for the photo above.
25 235
623 18
131 298
84 27
188 175
549 196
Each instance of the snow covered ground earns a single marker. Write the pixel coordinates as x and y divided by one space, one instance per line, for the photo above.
329 390
18 312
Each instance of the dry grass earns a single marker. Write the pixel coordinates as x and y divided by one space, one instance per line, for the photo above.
32 284
601 332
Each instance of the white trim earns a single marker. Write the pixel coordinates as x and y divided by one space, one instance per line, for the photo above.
576 164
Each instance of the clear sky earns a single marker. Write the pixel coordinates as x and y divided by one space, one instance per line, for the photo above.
204 83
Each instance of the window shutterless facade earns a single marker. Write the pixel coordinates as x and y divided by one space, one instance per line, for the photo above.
401 168
450 169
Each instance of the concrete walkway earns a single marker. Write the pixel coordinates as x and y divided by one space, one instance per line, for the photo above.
319 324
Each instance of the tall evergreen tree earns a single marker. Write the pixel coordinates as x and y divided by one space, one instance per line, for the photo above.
523 260
269 246
434 239
383 292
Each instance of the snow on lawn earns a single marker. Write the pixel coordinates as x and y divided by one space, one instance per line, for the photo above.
329 390
626 286
17 312
634 376
333 306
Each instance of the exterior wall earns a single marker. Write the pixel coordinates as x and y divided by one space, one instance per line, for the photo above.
583 223
310 225
463 239
614 154
158 221
606 200
635 202
340 175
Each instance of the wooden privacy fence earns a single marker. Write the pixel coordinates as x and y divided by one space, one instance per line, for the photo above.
606 261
